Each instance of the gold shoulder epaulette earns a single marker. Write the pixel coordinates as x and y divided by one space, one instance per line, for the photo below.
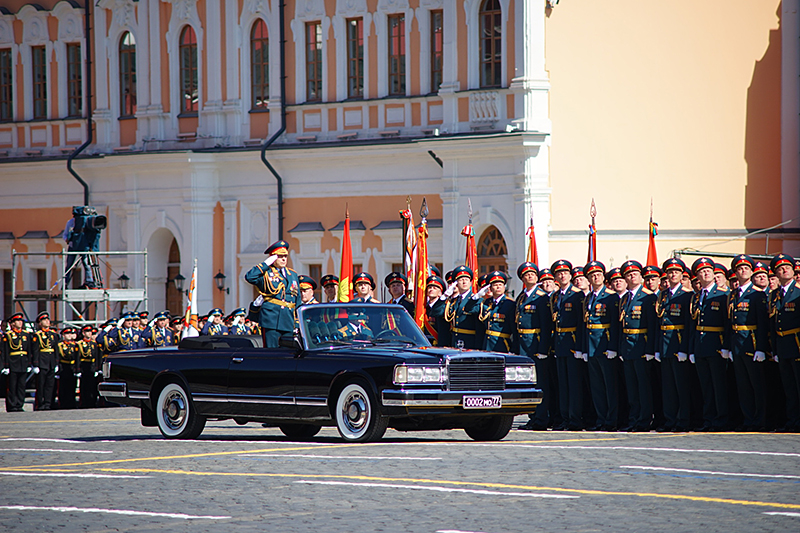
540 292
646 290
576 289
725 289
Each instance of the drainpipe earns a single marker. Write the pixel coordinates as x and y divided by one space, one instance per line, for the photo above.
89 138
282 129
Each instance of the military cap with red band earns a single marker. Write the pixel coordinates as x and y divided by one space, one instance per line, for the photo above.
545 274
577 271
630 266
742 259
560 265
701 263
497 275
278 248
364 277
526 267
674 263
779 260
651 271
594 266
613 274
436 281
307 282
461 271
395 276
329 279
760 267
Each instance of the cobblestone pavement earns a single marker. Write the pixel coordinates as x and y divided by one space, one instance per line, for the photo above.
100 470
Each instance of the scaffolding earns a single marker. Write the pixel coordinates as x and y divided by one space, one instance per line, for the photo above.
88 306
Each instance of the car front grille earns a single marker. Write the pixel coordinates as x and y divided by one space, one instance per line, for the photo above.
468 373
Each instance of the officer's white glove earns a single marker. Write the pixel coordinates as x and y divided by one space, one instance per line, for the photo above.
5 371
108 328
585 357
450 290
481 293
577 354
120 322
775 357
56 370
726 354
271 259
98 374
759 357
691 358
541 355
682 357
28 369
658 356
649 357
611 354
258 301
36 370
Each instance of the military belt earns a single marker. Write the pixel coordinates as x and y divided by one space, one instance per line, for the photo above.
498 334
278 301
566 330
47 350
671 327
529 331
464 331
598 326
737 327
788 332
22 352
713 329
634 331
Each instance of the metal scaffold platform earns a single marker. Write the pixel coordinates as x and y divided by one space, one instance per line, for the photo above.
88 306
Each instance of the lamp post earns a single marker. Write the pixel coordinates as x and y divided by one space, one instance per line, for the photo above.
219 279
123 281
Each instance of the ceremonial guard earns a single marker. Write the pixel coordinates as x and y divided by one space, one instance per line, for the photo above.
158 334
17 353
238 322
566 304
709 346
498 315
214 325
280 288
784 313
330 284
461 310
637 345
435 325
397 284
124 336
89 369
68 368
534 324
45 361
674 319
652 278
364 285
307 288
747 310
601 344
143 320
617 282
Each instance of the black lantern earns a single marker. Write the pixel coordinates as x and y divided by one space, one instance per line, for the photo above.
123 281
178 281
219 279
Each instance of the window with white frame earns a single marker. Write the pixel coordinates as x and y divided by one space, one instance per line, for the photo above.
259 66
491 43
127 75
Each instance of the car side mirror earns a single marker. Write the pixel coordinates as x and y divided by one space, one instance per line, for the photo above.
289 340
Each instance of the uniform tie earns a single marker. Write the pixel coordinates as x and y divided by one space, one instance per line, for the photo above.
703 296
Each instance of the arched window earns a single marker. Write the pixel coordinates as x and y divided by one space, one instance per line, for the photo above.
491 43
127 75
492 251
259 66
188 69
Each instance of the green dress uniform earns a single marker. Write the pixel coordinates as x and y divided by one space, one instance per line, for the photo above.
17 353
461 312
46 360
499 326
784 313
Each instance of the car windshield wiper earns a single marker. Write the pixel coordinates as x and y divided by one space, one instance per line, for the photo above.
395 340
332 342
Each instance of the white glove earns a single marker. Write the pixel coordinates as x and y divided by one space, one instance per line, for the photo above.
5 371
481 293
759 357
658 356
120 322
271 259
649 357
682 357
28 369
108 328
726 354
98 374
775 357
78 375
541 355
578 355
611 354
56 370
585 357
691 358
36 370
258 301
450 290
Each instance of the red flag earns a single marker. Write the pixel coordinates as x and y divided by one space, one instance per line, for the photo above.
472 254
533 253
346 271
422 274
652 256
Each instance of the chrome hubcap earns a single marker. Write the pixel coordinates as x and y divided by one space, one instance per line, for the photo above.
355 412
174 410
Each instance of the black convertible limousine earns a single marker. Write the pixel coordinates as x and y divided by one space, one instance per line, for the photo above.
360 367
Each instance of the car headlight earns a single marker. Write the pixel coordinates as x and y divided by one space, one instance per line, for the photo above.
521 373
419 374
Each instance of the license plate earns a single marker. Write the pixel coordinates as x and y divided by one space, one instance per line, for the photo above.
483 402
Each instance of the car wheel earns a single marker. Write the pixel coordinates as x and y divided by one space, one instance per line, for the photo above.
176 415
357 416
491 427
299 431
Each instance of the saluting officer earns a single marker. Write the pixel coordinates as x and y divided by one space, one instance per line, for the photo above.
748 312
89 369
364 284
497 314
280 288
307 288
435 324
784 312
158 334
124 336
214 325
601 344
709 346
397 284
534 322
330 284
461 310
238 326
45 361
566 304
68 367
672 309
17 356
637 345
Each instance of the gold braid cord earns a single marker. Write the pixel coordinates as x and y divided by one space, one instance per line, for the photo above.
489 312
450 316
660 303
694 306
273 288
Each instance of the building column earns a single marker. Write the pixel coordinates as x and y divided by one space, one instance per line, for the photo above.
790 119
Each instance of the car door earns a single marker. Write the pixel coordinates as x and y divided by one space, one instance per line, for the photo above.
205 371
261 382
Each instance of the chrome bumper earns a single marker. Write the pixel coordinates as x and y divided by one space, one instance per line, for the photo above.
112 389
438 398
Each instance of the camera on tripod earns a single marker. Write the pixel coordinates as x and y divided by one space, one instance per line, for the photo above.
86 231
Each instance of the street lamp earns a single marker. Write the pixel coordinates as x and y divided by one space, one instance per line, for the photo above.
219 279
123 281
178 281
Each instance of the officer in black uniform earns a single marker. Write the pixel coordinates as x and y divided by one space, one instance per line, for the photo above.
672 309
784 313
238 326
534 321
461 310
498 315
397 284
90 362
17 353
435 325
68 368
45 361
158 334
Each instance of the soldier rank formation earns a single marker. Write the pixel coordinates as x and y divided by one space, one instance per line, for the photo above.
634 348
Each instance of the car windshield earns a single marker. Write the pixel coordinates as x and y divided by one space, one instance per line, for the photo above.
325 325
